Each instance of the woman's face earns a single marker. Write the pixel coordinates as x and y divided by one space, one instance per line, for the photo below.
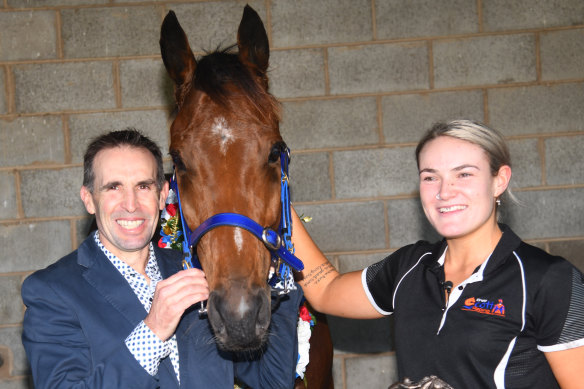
457 188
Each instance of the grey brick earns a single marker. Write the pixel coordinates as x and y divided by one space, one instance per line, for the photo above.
571 250
83 128
525 162
564 164
378 172
3 97
10 337
33 246
295 73
501 15
110 32
32 140
7 196
402 19
361 336
330 123
371 371
562 54
338 372
42 198
309 177
537 109
145 83
49 3
378 68
11 308
408 223
64 86
407 117
547 214
209 25
353 262
307 22
17 42
346 227
500 59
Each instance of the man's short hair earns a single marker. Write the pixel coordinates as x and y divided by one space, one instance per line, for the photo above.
129 137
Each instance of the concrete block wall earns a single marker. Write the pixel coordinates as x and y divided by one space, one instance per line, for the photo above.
359 80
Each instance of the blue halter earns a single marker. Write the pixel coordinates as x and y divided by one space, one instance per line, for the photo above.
278 242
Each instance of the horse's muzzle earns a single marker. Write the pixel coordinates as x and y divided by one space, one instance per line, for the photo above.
240 317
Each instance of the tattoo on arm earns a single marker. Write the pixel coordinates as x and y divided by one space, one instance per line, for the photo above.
317 274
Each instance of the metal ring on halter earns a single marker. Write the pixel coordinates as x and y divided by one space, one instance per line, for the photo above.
269 244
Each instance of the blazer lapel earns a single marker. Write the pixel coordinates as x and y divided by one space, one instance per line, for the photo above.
108 281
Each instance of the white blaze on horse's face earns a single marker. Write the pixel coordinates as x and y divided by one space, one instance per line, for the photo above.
238 238
223 132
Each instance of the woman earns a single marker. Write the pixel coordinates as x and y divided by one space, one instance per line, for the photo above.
481 308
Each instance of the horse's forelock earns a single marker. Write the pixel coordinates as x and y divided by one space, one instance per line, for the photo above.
223 77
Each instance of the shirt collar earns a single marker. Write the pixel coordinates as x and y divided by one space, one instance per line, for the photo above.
509 241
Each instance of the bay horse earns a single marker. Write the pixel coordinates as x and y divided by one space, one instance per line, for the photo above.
227 152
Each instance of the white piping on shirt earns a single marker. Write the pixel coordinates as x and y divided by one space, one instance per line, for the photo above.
499 374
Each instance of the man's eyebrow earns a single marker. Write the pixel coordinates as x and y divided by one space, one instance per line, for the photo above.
109 185
147 182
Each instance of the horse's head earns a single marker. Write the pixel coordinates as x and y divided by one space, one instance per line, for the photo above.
225 145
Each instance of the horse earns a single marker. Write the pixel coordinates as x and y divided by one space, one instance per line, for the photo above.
228 158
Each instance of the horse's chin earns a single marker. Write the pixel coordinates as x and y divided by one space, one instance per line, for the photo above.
238 344
249 332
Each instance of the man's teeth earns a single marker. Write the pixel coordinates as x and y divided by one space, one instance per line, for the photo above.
130 223
453 208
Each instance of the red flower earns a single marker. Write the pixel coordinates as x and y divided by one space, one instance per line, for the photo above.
171 209
304 314
161 244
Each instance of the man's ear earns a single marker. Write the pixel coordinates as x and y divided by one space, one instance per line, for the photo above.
163 195
502 180
87 199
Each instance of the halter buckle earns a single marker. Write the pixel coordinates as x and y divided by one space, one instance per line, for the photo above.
269 236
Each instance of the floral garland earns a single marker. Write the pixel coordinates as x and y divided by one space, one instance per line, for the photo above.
171 237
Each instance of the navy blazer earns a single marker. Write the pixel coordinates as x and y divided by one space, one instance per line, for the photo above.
81 309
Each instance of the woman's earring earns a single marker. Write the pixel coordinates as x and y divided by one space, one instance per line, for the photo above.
498 201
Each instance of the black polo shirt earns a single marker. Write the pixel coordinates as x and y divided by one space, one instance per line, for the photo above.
494 328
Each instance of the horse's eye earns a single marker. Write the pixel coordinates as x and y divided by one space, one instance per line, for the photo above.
177 160
274 153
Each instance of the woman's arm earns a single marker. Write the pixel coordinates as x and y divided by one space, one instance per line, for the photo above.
327 290
567 366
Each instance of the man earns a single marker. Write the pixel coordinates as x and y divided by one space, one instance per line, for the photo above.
115 312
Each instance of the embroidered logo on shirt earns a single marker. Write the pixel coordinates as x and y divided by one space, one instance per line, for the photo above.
484 306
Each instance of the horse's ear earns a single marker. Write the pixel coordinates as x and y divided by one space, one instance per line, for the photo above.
176 53
252 40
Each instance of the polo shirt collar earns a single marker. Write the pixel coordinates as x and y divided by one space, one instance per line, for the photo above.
507 244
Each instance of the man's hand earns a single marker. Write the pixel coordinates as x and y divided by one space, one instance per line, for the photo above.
172 297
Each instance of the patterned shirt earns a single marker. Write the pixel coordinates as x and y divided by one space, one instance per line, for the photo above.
146 347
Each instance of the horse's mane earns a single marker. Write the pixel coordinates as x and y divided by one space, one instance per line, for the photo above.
225 79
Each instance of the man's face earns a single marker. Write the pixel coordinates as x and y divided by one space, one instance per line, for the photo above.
125 199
